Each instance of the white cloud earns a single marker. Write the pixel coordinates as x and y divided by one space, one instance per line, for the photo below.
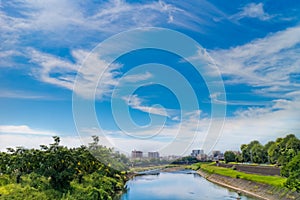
253 10
52 69
96 76
252 112
53 23
62 23
6 57
137 77
268 62
254 123
34 141
62 17
168 140
136 102
24 129
263 124
17 94
204 14
60 72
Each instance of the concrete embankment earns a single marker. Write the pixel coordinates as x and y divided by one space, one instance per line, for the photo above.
257 190
263 170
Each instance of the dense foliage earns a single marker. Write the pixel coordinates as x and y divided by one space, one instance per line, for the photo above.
229 156
292 171
58 172
284 152
185 160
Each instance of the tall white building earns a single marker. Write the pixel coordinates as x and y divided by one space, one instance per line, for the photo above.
153 154
136 154
197 152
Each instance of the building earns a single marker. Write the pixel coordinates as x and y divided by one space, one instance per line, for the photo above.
153 155
136 154
202 157
197 152
217 155
172 157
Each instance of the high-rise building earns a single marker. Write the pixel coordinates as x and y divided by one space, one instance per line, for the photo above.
136 154
197 152
216 153
153 154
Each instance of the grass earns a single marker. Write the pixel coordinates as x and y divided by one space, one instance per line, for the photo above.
270 180
196 166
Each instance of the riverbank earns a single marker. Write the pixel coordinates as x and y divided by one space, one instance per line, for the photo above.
250 188
176 183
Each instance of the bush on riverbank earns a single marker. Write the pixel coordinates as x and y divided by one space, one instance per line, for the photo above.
292 171
95 186
58 172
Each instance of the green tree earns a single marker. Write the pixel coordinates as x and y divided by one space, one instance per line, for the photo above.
229 156
274 153
258 153
284 149
246 151
238 158
59 165
108 156
266 149
292 171
56 166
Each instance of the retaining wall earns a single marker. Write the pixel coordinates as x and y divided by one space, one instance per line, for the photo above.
263 170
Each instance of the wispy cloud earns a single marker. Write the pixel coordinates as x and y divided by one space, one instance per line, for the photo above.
34 141
261 124
63 73
15 94
175 139
253 10
6 57
24 129
267 63
52 69
61 18
137 103
253 123
53 24
137 77
205 15
215 98
96 76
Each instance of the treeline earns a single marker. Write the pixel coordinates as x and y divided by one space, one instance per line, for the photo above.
283 152
59 172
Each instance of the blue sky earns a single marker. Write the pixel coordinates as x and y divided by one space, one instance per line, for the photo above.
253 45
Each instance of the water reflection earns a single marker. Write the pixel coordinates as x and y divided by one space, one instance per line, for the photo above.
176 185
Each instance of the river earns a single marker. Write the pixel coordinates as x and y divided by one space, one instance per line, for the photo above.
183 185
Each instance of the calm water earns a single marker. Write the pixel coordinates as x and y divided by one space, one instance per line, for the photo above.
176 185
